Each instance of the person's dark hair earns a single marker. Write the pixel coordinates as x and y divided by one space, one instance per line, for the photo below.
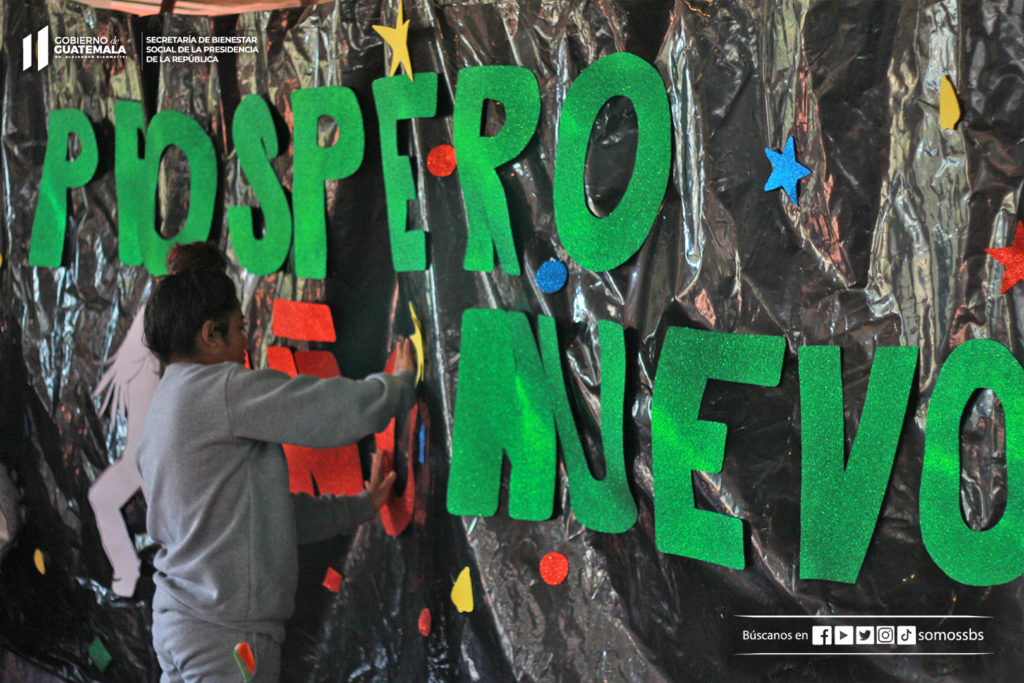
196 289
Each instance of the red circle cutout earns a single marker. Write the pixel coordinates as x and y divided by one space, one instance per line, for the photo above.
554 568
425 622
441 161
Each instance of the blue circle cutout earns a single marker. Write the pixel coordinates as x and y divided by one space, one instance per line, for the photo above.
551 276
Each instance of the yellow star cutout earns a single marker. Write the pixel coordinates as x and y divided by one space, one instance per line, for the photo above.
398 39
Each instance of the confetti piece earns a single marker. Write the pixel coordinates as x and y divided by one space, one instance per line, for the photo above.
1012 258
303 320
40 559
462 591
441 161
554 567
99 654
426 621
786 170
417 342
551 276
423 443
246 662
332 580
949 105
398 38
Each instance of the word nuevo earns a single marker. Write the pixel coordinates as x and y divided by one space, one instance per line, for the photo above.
300 227
512 402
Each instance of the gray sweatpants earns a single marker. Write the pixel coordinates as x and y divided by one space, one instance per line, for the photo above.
190 649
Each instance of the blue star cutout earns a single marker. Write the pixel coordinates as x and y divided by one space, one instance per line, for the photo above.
786 170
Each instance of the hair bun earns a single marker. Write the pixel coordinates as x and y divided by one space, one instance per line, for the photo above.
196 257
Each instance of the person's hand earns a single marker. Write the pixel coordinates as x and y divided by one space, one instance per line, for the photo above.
379 486
405 357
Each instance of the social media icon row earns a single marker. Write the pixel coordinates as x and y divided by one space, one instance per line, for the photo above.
863 635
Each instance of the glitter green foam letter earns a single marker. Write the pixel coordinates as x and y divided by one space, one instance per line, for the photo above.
512 399
840 500
683 444
996 555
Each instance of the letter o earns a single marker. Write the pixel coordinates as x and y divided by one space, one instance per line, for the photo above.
605 243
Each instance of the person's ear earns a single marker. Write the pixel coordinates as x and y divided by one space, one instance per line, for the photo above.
208 333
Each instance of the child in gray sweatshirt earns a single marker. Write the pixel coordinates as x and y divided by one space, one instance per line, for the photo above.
216 479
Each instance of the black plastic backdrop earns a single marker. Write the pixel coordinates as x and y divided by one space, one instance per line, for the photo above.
886 248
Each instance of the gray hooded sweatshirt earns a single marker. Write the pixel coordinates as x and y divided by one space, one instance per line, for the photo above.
215 479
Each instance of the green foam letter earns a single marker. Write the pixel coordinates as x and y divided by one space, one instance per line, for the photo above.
487 219
511 399
682 444
130 178
166 129
501 406
256 143
49 224
839 500
605 243
996 555
314 164
398 98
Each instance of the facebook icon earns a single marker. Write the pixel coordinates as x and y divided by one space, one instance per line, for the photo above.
821 635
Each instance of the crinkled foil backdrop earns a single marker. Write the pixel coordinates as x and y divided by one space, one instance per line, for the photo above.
886 248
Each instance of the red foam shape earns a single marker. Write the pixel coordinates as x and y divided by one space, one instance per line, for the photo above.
321 364
425 623
396 513
1012 258
281 358
554 567
441 161
337 470
332 580
303 320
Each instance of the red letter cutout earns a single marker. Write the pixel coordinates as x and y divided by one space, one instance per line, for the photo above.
336 470
397 512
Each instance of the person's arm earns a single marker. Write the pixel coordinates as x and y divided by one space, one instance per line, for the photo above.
321 517
267 405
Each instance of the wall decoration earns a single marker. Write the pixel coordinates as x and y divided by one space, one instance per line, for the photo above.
127 387
745 415
397 38
462 591
949 105
786 170
551 276
441 161
554 567
332 580
99 654
425 622
1012 258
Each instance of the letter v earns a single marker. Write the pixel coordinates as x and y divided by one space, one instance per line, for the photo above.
840 501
